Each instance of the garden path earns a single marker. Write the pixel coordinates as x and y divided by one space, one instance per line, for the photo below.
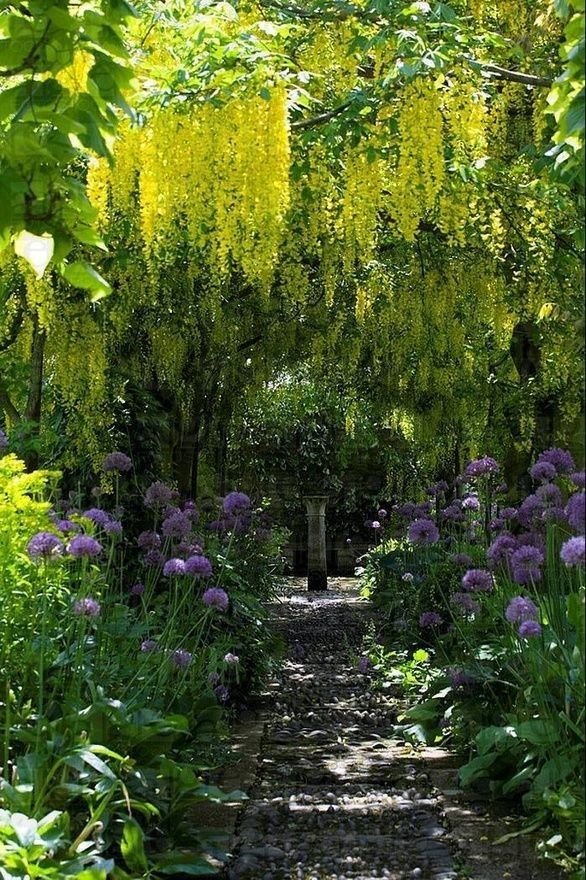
337 796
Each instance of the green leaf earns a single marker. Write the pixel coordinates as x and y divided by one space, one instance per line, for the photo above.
82 274
132 847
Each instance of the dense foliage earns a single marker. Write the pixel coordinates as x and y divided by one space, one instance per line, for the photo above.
120 655
484 608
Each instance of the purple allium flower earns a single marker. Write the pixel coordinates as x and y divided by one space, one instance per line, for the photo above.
84 546
213 678
348 540
572 552
364 664
382 513
478 580
114 527
429 618
521 608
499 552
471 502
461 559
408 577
423 531
554 514
375 524
576 511
3 441
550 493
231 659
116 461
154 558
529 628
561 460
44 545
422 511
67 525
222 693
466 602
148 646
531 511
482 466
543 471
439 488
525 564
191 511
215 597
176 525
236 502
198 566
174 567
453 513
181 658
497 524
578 478
137 589
87 607
508 512
149 540
158 494
97 515
406 510
459 678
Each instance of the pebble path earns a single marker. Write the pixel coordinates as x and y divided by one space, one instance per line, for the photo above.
336 796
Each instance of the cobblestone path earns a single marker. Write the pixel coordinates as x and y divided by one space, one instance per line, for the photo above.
336 797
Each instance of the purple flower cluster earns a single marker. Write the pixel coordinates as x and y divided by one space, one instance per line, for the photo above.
44 545
471 502
149 540
499 552
198 566
235 503
429 619
524 612
480 467
543 471
461 559
3 441
181 658
560 459
174 567
87 607
423 531
176 524
217 598
84 546
576 511
572 552
116 461
478 580
526 564
579 479
104 520
466 603
159 494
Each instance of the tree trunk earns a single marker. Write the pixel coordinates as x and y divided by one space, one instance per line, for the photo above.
186 458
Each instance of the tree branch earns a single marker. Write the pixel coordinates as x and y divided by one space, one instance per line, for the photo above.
321 118
7 405
527 79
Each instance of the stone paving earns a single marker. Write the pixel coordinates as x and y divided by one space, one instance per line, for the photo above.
336 797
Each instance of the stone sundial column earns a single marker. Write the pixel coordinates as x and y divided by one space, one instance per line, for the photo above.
317 572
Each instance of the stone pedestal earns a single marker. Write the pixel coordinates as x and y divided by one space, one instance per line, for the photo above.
317 572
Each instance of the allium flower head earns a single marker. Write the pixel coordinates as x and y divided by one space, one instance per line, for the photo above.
137 589
84 546
67 525
482 466
576 511
3 441
198 566
525 564
154 558
181 658
422 511
478 580
530 511
231 659
499 552
408 577
561 459
529 628
148 646
453 513
191 511
149 540
375 524
382 513
521 608
158 495
364 664
471 502
423 531
508 513
236 502
461 559
87 607
176 525
174 567
429 618
550 493
215 597
44 545
213 678
572 552
543 471
466 602
406 510
116 461
113 527
97 515
439 488
222 693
